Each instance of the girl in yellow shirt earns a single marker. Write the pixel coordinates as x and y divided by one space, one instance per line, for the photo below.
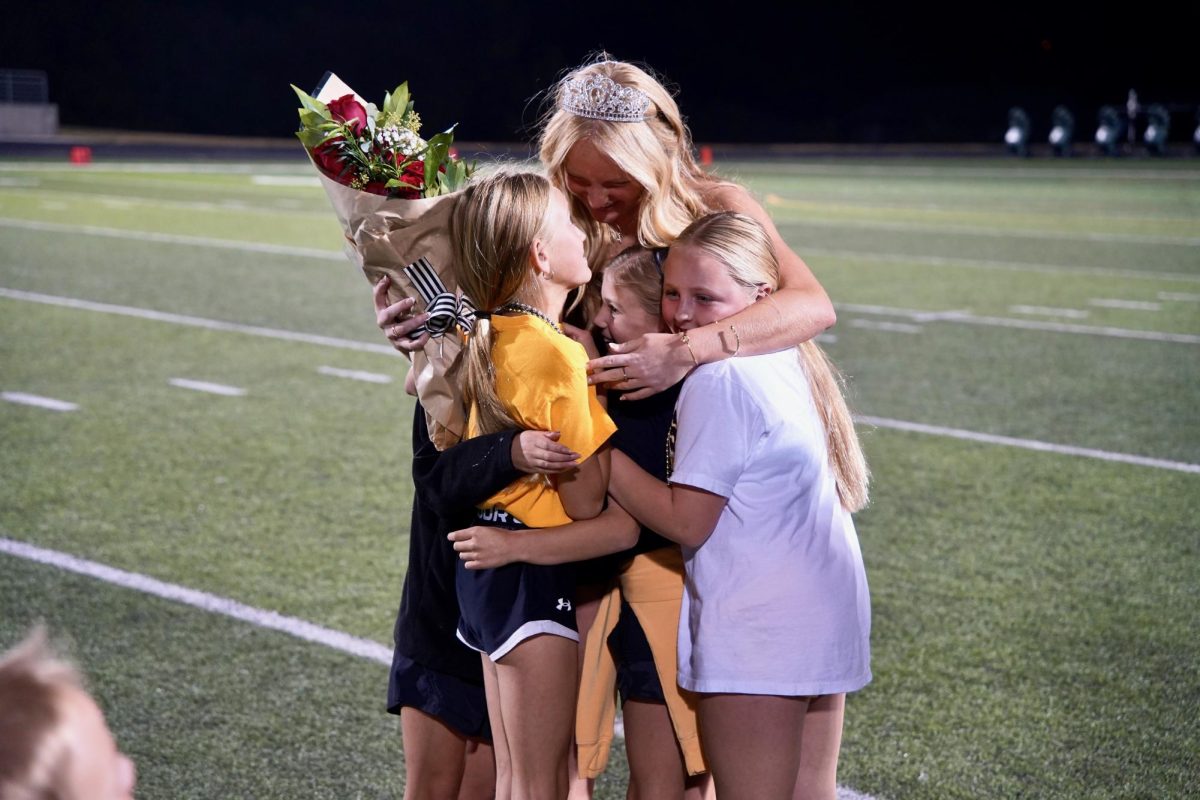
519 256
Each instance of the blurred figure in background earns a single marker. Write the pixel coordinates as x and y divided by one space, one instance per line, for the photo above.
54 742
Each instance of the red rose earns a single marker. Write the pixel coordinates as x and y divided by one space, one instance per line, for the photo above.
328 157
376 187
414 173
347 109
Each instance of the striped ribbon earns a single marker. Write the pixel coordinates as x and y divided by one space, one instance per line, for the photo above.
443 307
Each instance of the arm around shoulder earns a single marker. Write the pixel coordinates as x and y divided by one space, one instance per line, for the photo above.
806 307
683 514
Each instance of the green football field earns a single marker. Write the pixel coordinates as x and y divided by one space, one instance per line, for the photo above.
197 397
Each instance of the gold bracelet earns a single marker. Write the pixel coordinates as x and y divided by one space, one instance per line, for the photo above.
683 335
738 339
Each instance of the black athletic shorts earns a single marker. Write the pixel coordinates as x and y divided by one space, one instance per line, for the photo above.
500 608
459 704
637 677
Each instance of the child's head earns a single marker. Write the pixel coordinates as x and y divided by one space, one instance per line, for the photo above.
719 265
630 295
54 741
617 142
513 234
723 263
514 241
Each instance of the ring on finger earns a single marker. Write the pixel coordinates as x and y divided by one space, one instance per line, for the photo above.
624 374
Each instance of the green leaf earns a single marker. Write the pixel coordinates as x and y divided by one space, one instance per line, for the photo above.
309 102
310 138
399 99
312 119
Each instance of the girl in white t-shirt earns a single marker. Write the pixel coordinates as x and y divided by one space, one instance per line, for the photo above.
776 618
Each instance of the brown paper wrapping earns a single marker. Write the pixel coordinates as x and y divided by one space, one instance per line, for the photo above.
383 236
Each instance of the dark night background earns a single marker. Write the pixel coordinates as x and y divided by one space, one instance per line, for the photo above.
848 72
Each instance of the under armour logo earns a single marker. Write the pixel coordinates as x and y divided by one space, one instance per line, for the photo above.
563 604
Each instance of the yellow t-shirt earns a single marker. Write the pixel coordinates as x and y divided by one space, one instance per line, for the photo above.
541 378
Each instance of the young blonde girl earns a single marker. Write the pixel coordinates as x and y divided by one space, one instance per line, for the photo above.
519 256
767 469
638 589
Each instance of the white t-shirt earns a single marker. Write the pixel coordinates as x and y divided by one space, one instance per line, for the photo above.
777 600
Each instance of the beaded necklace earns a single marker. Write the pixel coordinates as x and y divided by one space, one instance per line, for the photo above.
525 309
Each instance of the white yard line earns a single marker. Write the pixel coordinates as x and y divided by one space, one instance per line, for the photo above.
1028 444
893 327
347 344
1129 305
209 388
1009 266
870 170
196 322
48 403
1047 311
285 180
1086 330
917 315
170 238
355 375
996 233
127 202
212 603
968 318
121 168
1182 297
333 255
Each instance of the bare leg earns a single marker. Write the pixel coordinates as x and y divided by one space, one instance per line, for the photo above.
817 778
479 776
434 757
491 686
753 744
536 682
655 762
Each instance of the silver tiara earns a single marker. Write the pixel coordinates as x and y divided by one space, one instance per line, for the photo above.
600 97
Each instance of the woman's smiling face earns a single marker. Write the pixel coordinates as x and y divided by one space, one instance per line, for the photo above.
610 194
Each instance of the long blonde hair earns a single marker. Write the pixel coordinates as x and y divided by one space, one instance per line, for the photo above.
739 242
493 226
656 153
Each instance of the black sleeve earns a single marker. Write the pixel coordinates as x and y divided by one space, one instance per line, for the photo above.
463 475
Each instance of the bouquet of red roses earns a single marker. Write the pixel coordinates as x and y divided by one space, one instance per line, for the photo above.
378 150
393 193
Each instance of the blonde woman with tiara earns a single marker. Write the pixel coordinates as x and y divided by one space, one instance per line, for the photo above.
519 255
616 142
767 469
